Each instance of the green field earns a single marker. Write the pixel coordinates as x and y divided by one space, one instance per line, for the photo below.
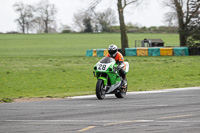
68 44
54 65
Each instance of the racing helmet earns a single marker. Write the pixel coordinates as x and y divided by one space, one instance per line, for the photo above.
112 50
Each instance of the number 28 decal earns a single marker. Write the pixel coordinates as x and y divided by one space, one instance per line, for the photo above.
101 67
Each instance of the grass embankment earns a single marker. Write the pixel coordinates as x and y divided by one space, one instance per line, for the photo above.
55 66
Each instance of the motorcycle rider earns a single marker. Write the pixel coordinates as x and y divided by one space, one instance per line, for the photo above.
113 52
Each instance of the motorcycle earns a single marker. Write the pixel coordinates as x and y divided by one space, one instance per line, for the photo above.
108 78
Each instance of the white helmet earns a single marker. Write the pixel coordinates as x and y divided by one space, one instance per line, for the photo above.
112 50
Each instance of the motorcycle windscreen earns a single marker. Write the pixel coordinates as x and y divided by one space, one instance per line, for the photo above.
107 60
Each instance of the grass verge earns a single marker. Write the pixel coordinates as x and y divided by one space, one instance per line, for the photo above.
69 76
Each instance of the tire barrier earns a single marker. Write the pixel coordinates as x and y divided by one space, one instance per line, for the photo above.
166 51
154 51
96 52
151 51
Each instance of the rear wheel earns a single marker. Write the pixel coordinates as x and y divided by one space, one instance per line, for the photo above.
100 92
122 92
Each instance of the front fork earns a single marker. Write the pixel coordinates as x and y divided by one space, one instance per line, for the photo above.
105 80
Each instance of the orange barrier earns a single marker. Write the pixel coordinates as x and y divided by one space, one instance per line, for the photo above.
94 52
166 51
142 51
105 52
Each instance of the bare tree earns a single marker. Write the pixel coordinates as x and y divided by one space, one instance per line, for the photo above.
38 25
106 19
100 21
121 5
25 16
170 19
46 13
186 11
78 20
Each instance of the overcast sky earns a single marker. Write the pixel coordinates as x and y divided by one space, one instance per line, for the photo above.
150 14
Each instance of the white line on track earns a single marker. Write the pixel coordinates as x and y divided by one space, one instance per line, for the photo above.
92 121
142 92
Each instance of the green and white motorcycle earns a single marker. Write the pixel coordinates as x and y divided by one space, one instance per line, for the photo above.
108 79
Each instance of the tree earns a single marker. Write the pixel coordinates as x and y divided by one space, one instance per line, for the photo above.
88 25
186 10
38 25
194 39
25 16
121 5
105 19
170 19
98 22
65 28
46 14
79 18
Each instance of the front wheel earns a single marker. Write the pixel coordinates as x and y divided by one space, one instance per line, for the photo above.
100 92
122 92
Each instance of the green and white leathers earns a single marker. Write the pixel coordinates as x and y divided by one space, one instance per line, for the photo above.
109 81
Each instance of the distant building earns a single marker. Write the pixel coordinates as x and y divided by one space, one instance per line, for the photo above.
156 42
149 43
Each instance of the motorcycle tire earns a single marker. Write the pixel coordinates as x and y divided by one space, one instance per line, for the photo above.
100 92
122 92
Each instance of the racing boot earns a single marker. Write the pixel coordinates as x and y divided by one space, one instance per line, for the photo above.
124 83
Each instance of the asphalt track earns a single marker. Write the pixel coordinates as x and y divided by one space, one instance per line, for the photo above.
167 111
